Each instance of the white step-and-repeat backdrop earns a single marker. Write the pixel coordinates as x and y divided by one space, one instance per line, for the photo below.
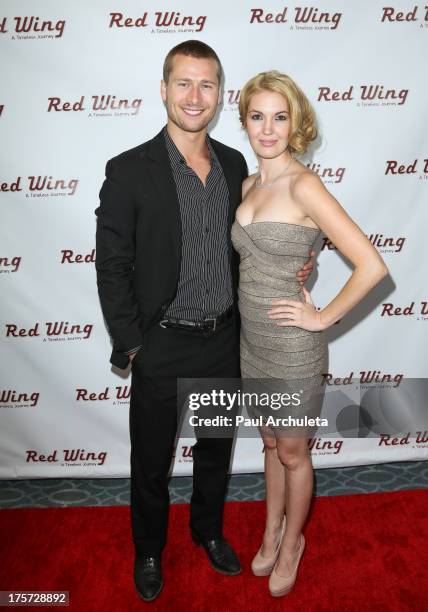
79 84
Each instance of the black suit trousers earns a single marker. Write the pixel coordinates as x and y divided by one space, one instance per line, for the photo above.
168 354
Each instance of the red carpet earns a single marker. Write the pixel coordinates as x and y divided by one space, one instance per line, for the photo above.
364 552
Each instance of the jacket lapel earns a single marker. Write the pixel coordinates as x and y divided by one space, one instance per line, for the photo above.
161 174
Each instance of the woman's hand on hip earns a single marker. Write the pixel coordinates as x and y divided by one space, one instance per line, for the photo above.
292 313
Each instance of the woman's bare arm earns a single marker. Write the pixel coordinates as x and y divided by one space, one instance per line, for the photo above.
369 267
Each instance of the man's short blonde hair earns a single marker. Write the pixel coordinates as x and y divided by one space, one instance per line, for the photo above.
302 116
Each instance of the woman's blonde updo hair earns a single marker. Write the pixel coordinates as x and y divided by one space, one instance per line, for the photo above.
302 116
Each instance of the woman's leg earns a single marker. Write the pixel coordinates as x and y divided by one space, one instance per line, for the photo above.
294 455
275 495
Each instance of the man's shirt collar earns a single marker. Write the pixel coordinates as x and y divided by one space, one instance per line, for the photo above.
176 158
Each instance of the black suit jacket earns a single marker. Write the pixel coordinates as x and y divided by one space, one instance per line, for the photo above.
138 239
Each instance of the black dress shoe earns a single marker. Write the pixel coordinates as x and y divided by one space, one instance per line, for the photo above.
148 577
221 555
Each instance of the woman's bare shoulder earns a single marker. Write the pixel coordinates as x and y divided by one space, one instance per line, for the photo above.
304 179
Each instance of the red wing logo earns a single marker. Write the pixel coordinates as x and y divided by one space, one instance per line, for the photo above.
56 330
44 28
74 456
162 19
420 308
9 264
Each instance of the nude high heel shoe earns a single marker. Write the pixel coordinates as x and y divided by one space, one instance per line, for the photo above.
281 585
262 566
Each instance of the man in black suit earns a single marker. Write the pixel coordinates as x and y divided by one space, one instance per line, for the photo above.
167 279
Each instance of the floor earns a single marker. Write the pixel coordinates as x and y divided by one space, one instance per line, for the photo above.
43 493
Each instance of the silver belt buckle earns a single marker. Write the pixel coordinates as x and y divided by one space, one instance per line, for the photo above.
215 322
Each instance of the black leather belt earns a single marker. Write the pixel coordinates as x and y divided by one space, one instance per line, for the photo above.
209 324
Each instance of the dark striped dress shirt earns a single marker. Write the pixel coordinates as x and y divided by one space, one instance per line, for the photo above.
205 283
